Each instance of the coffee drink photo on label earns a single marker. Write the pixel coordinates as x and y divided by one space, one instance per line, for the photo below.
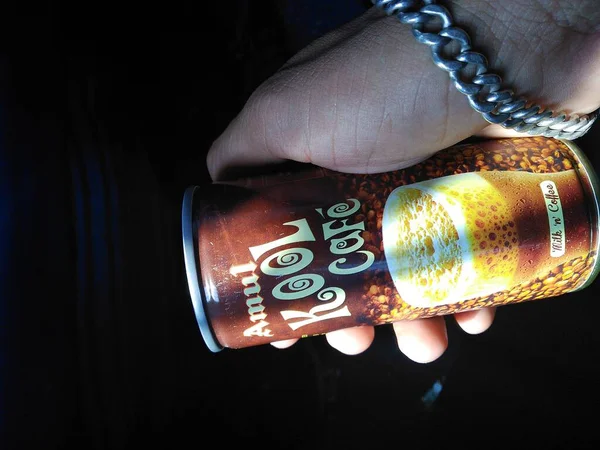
463 236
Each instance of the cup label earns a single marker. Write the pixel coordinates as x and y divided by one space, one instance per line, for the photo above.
286 256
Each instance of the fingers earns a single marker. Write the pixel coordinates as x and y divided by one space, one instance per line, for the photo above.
422 340
351 341
425 340
284 344
476 322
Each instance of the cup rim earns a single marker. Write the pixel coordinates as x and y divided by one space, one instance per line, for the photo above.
189 238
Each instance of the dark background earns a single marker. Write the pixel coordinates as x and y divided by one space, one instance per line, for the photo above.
106 115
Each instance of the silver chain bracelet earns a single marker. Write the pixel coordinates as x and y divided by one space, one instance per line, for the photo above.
497 104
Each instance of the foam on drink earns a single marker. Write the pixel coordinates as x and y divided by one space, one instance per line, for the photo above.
449 239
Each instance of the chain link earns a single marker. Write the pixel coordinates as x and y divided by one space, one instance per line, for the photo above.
484 89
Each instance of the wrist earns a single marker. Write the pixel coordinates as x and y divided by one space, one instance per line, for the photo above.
539 56
547 51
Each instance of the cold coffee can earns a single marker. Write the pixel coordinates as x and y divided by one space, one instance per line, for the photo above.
300 254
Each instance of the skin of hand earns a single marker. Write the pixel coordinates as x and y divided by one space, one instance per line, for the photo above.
367 98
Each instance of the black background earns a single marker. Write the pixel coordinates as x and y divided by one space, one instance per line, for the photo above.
107 112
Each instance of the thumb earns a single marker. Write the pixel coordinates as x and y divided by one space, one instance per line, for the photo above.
366 98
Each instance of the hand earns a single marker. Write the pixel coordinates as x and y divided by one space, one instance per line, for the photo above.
367 98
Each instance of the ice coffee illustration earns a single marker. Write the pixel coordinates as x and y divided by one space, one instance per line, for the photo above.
470 235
